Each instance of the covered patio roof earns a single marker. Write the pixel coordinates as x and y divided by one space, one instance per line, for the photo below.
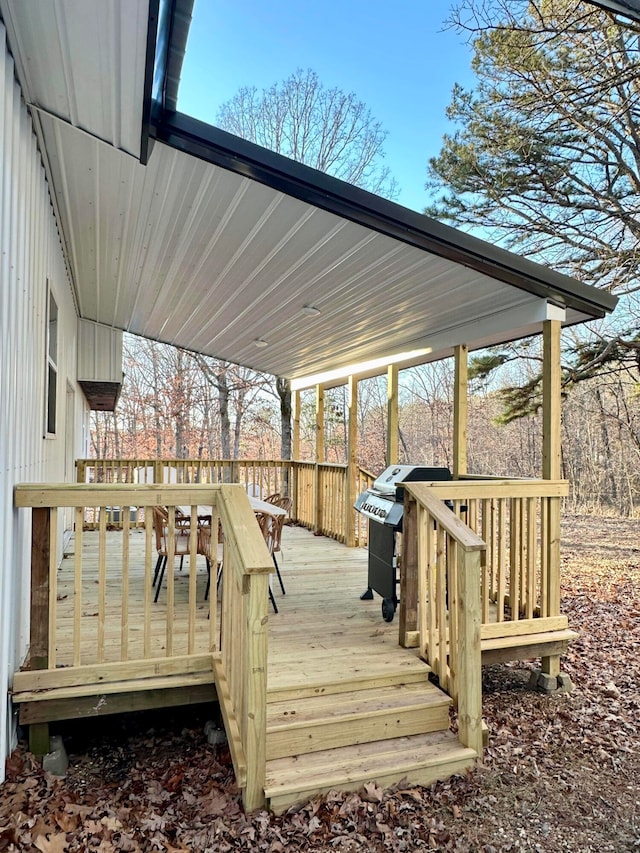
211 243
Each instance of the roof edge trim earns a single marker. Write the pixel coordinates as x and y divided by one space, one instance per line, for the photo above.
227 151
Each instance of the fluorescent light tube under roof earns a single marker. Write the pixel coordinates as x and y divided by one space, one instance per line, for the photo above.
355 369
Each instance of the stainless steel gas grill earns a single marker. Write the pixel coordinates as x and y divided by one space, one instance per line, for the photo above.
383 504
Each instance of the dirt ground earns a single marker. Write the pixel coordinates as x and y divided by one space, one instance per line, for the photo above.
561 773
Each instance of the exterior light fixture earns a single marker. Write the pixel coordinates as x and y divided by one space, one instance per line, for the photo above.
260 343
311 310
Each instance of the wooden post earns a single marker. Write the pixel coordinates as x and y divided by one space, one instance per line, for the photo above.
352 461
408 610
318 510
81 471
393 435
255 670
39 627
295 455
551 437
469 675
460 412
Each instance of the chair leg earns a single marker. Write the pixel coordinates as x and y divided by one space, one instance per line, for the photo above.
157 569
206 592
273 601
162 568
275 563
181 562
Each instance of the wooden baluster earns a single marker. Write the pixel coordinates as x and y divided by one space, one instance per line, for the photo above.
77 587
532 560
193 575
441 596
148 579
502 558
214 642
486 558
430 608
171 559
514 554
452 589
124 622
53 589
544 557
102 581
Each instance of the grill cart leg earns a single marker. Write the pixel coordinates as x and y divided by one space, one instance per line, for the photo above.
367 595
389 608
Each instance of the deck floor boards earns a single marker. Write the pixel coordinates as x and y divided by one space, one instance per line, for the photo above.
322 627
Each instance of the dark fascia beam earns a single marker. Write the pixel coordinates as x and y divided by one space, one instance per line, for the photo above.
628 8
295 179
167 33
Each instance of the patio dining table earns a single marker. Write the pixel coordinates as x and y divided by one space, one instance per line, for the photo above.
257 505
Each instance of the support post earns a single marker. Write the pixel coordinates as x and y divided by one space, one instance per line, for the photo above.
460 397
39 627
255 669
469 675
295 453
551 436
352 460
318 514
393 435
408 608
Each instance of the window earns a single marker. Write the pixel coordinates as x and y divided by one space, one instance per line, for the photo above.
52 366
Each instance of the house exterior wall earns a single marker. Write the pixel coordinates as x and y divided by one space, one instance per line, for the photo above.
31 264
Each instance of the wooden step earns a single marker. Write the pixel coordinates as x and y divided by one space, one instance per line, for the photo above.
296 726
418 759
316 674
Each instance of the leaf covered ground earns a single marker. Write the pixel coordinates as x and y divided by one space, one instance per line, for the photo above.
561 773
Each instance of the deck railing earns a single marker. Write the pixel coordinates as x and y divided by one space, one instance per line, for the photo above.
519 520
443 563
318 490
95 637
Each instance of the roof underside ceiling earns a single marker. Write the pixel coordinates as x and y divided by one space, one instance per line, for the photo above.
188 252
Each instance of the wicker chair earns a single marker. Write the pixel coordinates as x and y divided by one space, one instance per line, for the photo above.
268 525
182 533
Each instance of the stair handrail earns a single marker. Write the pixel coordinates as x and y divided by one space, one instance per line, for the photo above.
441 578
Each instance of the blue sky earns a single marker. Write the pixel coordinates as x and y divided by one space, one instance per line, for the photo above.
397 58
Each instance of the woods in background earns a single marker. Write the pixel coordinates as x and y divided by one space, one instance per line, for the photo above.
171 408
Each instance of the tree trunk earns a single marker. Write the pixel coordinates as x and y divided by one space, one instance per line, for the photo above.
283 387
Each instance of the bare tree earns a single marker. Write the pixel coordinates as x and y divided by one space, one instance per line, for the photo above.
330 130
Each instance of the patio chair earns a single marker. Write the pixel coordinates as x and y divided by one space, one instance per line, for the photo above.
206 548
181 542
268 524
271 526
273 499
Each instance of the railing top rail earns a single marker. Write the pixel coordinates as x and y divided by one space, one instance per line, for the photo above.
241 531
118 494
173 460
501 488
365 472
449 521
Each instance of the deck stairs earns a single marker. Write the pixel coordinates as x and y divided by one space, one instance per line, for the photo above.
357 724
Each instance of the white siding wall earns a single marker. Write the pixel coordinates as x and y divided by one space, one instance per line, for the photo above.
30 256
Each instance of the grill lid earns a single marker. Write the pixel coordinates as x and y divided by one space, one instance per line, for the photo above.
385 484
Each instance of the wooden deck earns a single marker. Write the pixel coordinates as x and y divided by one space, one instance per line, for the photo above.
321 621
346 704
